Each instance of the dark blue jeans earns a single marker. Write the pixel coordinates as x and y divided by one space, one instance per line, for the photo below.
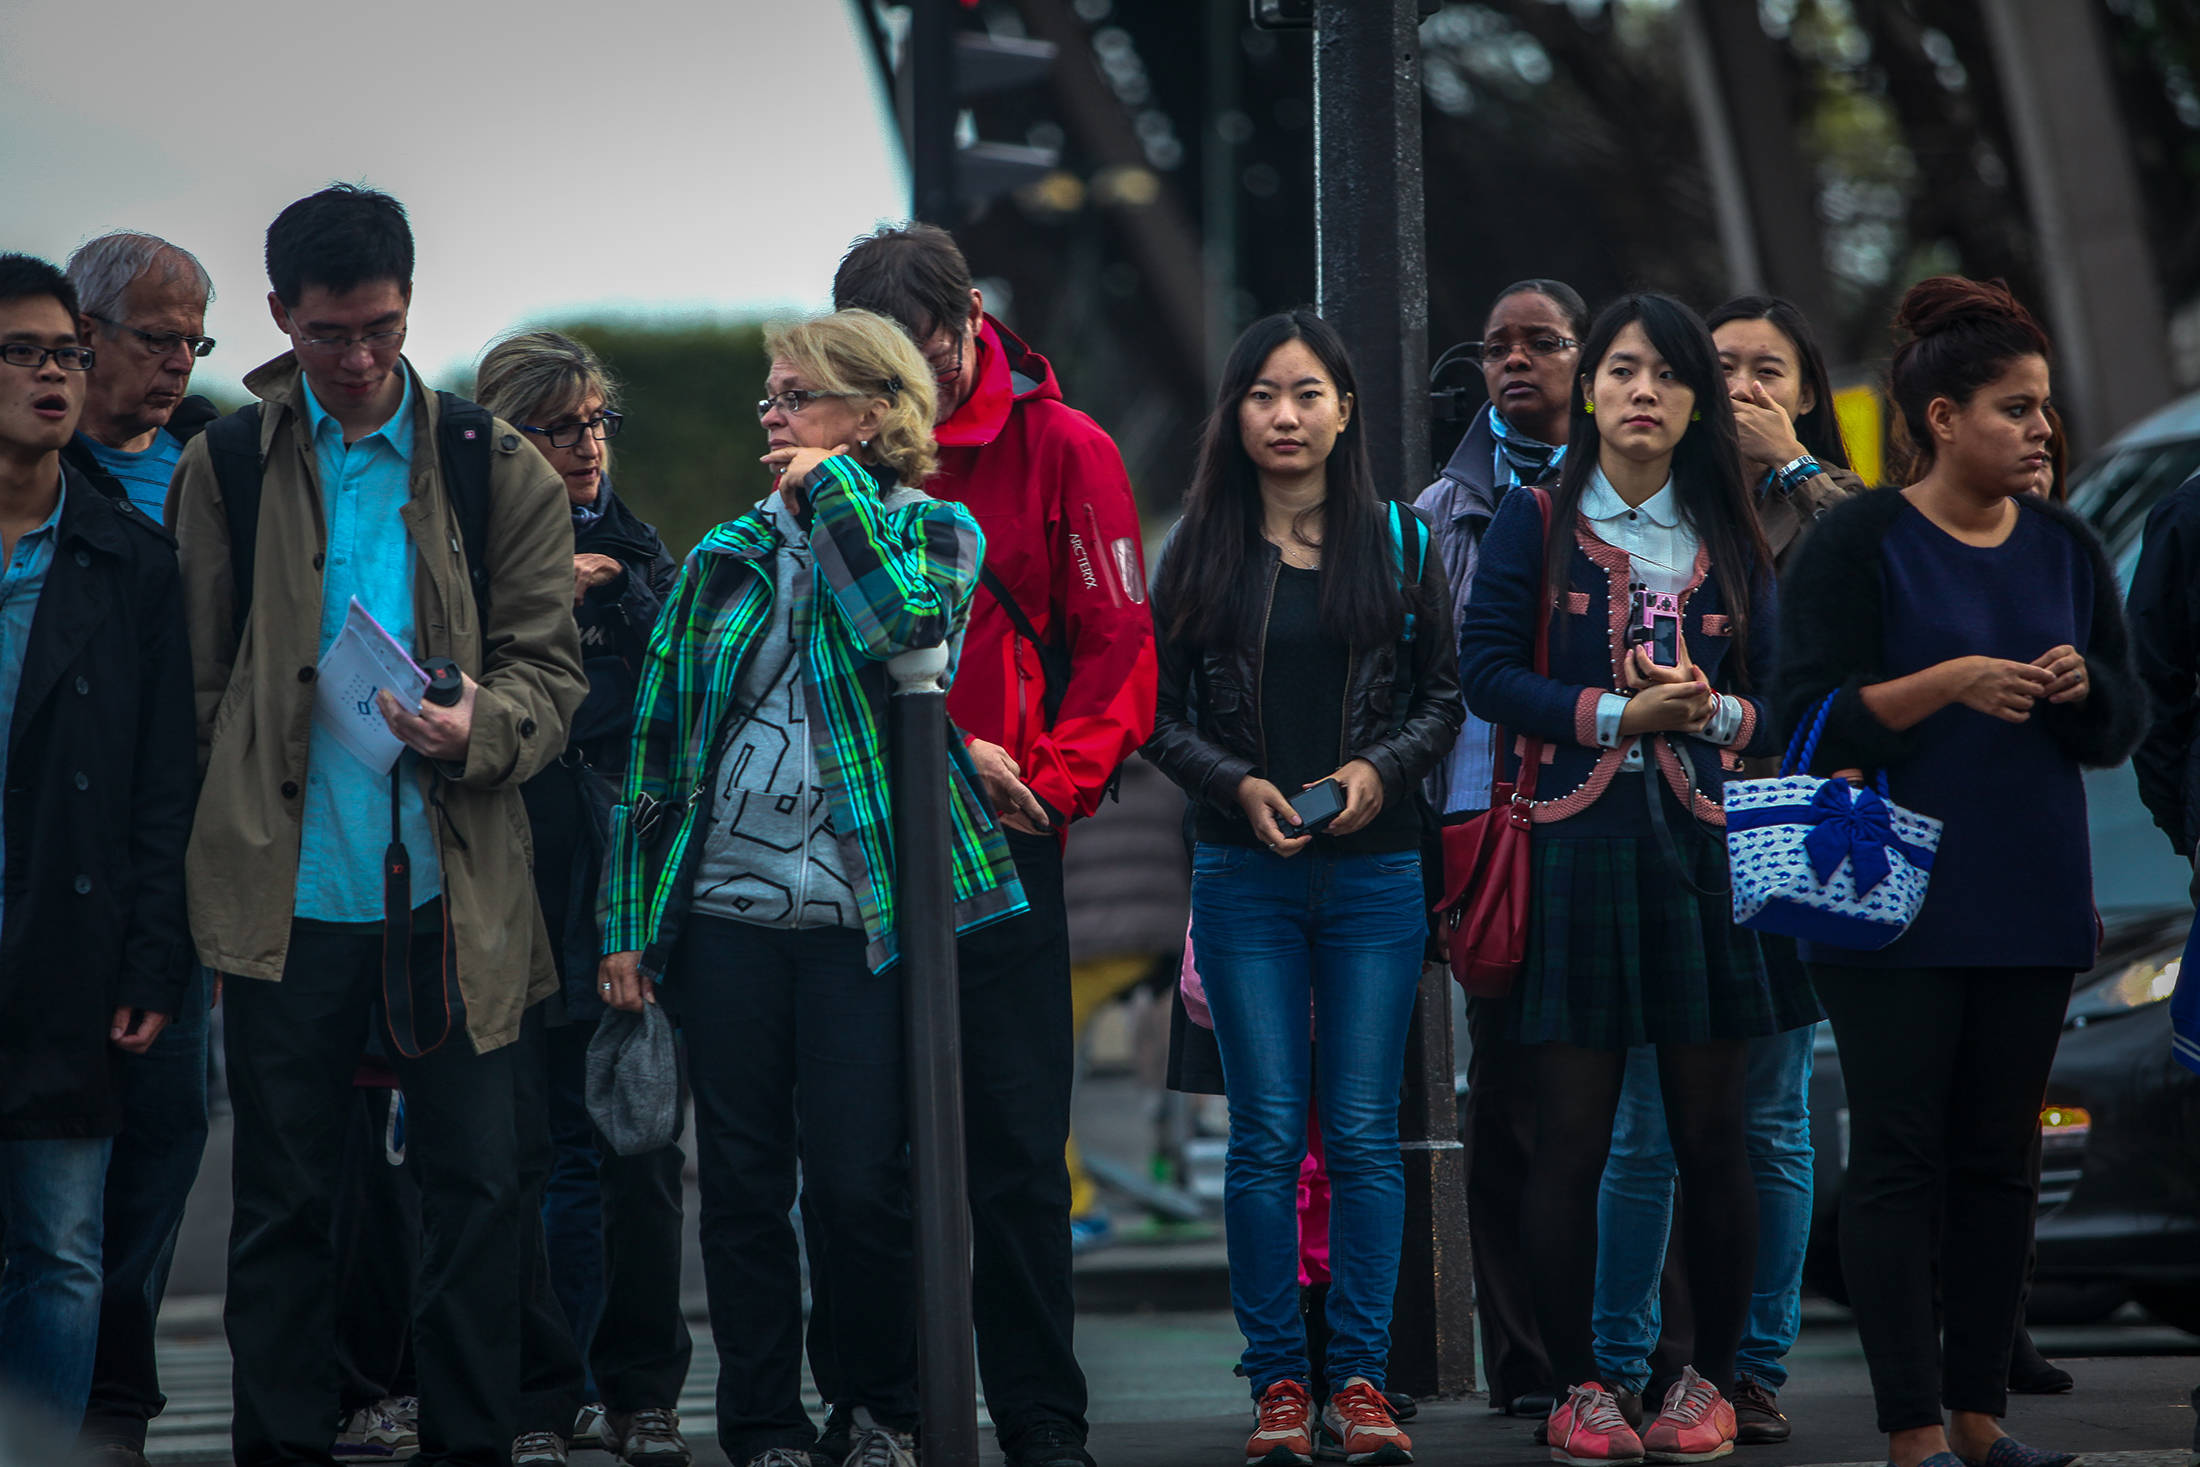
149 1177
612 1225
1338 937
49 1277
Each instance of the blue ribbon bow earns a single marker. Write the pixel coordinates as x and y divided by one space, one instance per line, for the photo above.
1853 825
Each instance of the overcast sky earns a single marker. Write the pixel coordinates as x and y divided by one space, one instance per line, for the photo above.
558 159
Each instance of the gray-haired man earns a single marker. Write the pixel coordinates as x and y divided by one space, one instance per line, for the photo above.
142 303
144 307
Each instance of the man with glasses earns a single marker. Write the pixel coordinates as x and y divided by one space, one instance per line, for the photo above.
95 705
1055 691
142 302
327 889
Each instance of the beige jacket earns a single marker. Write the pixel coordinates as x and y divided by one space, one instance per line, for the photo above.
255 696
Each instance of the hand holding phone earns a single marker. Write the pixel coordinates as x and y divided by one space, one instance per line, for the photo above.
1317 805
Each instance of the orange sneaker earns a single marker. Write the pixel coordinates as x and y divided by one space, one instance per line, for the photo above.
1697 1424
1357 1427
1280 1437
1587 1430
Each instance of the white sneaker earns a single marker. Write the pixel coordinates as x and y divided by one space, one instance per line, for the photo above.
538 1449
382 1432
588 1426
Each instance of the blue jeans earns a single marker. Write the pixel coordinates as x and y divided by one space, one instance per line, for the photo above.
1340 935
50 1193
149 1177
1635 1212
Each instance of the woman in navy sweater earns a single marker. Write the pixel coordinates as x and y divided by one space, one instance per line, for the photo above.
1968 633
1631 941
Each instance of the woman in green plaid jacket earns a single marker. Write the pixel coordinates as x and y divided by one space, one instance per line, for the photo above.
751 869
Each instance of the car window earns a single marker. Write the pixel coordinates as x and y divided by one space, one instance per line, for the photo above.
2115 493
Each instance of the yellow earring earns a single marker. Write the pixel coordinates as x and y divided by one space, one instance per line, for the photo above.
1588 406
1696 416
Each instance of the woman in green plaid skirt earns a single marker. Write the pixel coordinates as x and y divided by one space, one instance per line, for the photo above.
1646 571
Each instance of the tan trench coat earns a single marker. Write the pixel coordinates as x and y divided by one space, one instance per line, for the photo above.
255 696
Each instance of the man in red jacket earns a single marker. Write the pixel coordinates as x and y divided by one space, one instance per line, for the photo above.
1054 690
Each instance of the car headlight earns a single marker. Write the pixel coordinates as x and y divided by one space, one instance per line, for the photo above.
2148 981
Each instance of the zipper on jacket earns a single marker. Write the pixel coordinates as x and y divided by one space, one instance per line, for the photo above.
1023 693
1260 662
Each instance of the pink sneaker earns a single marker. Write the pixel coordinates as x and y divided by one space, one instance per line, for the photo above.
1697 1424
1587 1429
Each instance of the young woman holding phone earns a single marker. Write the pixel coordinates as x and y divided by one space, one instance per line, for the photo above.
1653 585
1305 640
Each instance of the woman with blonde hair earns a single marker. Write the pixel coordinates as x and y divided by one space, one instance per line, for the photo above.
751 874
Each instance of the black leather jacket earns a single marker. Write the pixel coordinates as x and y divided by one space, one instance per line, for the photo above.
1207 734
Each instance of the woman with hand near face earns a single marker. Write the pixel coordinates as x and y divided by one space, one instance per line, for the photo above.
1969 633
1784 421
1630 941
751 873
1304 635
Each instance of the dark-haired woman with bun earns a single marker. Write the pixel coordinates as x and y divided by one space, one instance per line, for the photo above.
1798 467
1968 633
1630 941
1304 634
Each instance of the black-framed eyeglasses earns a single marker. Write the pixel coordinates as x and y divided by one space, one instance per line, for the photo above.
793 401
602 427
161 343
948 376
1490 353
374 341
30 354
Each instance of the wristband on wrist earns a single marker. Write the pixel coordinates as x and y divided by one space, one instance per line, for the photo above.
1797 472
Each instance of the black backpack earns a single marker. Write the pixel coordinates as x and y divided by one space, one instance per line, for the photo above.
462 445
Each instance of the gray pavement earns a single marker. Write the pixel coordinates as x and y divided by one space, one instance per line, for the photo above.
1158 1344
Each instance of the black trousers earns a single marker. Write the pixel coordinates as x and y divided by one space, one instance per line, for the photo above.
292 1047
551 1387
1018 1062
1945 1069
795 1051
1019 1058
377 1240
1498 1133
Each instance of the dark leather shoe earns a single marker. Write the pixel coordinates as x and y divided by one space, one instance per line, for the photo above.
1535 1403
1630 1405
1758 1420
2031 1374
1049 1444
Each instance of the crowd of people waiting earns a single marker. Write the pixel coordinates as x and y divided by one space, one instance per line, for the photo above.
639 789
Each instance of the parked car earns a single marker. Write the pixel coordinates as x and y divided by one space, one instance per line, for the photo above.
2119 1214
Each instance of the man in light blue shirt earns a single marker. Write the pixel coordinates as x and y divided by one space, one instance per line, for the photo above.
364 483
143 302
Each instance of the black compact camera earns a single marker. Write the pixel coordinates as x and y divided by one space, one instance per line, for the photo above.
1316 805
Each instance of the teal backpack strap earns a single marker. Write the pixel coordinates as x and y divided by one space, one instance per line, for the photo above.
1399 519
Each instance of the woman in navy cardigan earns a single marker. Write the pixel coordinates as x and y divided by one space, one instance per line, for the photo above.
1631 941
1968 634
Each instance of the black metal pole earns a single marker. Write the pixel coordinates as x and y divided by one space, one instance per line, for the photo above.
928 108
1373 284
932 1029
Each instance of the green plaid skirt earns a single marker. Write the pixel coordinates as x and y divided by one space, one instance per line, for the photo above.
1621 952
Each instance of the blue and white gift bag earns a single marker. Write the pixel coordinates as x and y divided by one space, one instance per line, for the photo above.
1822 860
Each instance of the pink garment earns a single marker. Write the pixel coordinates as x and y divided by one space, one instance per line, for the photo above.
1193 990
1313 1207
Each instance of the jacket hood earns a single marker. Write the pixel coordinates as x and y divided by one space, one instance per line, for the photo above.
613 530
1009 372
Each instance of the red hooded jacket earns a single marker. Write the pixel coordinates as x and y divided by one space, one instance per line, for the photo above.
1061 532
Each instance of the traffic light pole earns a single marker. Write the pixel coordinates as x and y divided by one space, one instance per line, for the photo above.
932 1057
1373 279
927 104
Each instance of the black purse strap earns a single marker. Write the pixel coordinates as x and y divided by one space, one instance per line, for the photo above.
1653 785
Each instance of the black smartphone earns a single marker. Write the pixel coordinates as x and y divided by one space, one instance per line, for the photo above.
1317 806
